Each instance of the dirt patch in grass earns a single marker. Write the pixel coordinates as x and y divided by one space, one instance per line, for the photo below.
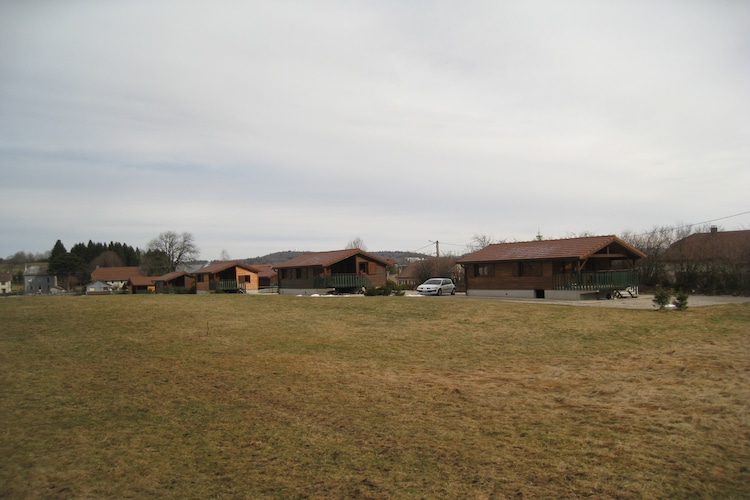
382 397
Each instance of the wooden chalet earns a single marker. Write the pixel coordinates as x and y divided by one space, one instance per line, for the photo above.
141 284
175 282
341 271
710 260
573 268
228 276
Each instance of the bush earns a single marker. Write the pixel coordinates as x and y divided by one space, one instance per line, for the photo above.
681 300
390 288
662 296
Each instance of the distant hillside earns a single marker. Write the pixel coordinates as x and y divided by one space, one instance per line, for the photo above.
401 258
274 258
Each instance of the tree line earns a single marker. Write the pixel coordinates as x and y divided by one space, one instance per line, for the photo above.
164 254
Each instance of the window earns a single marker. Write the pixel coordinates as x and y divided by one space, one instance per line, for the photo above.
529 269
484 270
364 267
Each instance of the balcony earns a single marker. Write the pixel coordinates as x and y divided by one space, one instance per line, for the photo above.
598 281
231 286
342 281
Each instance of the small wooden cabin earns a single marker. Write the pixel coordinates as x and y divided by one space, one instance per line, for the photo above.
175 282
573 268
228 277
341 271
141 284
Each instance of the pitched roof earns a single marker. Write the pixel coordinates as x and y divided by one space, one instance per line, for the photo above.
733 246
564 249
171 276
35 271
5 277
409 271
218 267
265 270
116 273
141 280
325 259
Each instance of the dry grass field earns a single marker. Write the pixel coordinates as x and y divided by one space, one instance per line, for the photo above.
222 396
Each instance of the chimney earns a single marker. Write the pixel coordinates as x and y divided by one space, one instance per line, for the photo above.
714 229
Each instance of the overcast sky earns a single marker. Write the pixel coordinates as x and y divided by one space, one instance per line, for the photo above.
262 126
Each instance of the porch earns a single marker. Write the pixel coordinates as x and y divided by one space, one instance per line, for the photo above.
342 281
228 286
597 281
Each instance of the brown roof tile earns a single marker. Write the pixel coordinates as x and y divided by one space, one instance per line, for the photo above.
218 267
325 259
569 248
116 273
733 246
265 270
171 276
141 280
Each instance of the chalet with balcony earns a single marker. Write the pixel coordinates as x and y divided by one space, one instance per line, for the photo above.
339 271
573 268
228 277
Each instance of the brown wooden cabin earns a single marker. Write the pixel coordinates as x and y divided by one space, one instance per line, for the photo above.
341 271
175 282
712 260
141 284
228 277
572 268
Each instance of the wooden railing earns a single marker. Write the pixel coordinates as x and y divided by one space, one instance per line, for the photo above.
339 281
602 280
228 285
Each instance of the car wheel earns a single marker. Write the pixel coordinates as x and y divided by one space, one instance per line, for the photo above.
453 292
440 291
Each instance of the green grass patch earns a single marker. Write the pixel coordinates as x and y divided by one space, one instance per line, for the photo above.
231 396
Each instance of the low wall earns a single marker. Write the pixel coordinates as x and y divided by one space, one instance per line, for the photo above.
531 294
519 294
303 291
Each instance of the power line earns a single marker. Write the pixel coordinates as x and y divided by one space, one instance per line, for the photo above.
699 223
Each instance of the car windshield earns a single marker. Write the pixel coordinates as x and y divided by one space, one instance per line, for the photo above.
432 282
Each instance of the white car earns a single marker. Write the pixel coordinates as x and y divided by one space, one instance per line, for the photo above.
437 286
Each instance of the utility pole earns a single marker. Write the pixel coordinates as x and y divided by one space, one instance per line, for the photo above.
437 248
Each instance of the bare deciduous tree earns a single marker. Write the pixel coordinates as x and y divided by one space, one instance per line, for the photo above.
357 243
479 241
176 248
